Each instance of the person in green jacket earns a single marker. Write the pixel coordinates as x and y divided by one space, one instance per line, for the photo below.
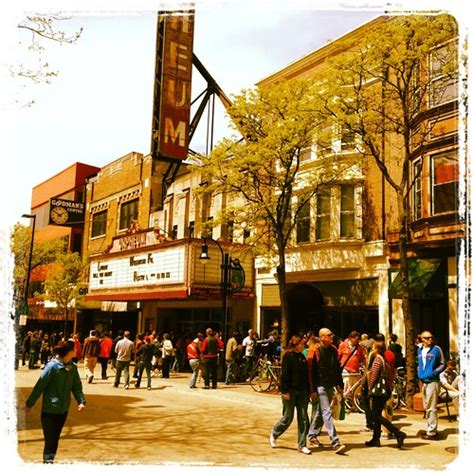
58 380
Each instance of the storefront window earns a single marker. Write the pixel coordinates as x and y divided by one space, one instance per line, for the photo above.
444 177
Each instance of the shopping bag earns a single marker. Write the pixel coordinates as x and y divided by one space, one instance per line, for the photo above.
336 406
342 411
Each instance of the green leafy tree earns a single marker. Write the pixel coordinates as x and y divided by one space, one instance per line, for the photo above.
383 90
63 283
43 253
263 178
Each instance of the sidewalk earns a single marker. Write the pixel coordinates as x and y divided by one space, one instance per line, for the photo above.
229 426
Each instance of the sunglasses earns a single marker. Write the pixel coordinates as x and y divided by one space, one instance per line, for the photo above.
329 335
428 338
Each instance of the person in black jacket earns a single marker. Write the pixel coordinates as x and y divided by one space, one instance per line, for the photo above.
325 374
294 394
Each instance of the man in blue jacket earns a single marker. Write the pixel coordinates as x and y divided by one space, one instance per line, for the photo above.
431 363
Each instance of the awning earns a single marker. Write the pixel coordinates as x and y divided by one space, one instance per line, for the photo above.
424 278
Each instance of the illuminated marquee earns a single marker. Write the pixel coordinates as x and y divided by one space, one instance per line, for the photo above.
172 104
159 267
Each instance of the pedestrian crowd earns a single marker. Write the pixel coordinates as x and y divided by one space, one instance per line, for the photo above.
316 370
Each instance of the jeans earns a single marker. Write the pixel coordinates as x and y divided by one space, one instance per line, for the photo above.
430 400
166 367
229 373
125 366
299 400
321 413
143 367
378 404
365 404
52 424
104 361
249 363
194 364
210 372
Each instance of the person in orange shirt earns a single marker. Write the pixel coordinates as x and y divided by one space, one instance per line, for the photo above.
351 357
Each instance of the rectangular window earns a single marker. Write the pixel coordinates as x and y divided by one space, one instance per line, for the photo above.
128 213
246 234
323 215
207 231
99 224
305 154
347 139
174 232
417 190
191 230
444 179
443 83
303 223
347 211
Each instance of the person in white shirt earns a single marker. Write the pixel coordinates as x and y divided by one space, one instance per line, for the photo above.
452 382
124 350
249 346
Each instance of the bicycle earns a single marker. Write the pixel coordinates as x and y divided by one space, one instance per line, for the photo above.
266 375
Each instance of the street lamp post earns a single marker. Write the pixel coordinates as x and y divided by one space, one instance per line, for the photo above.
27 286
227 265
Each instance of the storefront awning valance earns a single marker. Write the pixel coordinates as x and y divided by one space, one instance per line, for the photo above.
424 278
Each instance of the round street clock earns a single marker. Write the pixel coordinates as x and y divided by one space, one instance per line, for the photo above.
59 215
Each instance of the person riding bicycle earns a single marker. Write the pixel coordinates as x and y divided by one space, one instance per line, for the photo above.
351 357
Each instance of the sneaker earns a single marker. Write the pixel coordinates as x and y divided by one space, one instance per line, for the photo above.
90 379
433 437
148 388
137 386
304 450
126 387
273 441
339 448
400 439
315 443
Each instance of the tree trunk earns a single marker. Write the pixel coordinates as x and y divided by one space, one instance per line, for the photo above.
281 273
407 317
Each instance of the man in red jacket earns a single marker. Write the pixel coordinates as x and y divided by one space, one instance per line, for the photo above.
105 349
209 348
90 353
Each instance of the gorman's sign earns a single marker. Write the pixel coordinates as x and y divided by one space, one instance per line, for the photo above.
66 213
172 101
159 267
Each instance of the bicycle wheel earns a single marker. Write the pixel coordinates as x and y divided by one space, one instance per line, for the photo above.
261 380
356 399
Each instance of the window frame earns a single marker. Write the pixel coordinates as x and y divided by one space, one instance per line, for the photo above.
320 216
417 192
94 221
347 212
446 153
434 78
306 220
133 217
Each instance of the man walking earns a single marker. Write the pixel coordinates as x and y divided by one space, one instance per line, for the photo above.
90 353
194 361
230 350
249 345
431 364
209 348
124 350
324 374
104 356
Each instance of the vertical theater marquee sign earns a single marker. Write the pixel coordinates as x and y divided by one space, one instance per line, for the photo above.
172 88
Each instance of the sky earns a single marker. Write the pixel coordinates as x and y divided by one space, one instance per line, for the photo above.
99 106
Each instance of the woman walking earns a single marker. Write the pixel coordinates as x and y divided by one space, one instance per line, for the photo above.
380 386
58 379
294 394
